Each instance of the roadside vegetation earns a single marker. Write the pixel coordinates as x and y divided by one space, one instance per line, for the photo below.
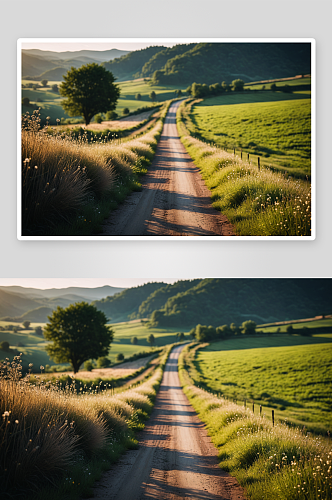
257 201
50 433
268 460
70 184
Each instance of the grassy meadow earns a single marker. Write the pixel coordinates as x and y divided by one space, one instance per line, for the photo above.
264 124
270 461
50 434
290 374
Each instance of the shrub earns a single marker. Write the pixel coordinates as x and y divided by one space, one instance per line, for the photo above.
98 118
103 362
44 83
88 365
125 111
120 357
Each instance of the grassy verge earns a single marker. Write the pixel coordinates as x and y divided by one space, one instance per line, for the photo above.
269 461
69 186
54 443
259 202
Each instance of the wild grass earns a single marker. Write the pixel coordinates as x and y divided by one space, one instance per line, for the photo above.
294 380
278 131
70 185
259 202
47 432
269 461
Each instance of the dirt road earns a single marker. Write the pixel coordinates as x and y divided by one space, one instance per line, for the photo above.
175 460
174 200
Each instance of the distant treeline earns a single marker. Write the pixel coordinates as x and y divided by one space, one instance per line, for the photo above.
203 333
200 90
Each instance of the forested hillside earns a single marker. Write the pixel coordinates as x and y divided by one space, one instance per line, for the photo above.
130 65
121 306
214 62
222 301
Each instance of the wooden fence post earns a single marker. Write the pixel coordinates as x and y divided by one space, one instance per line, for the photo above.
245 403
273 418
259 163
260 410
241 153
253 406
248 158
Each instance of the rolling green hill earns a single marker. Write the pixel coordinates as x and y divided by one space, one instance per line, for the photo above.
129 65
223 301
214 62
122 305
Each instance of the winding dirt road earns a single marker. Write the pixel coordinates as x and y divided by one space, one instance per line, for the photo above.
175 460
174 200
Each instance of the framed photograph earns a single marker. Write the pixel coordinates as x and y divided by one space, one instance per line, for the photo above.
167 139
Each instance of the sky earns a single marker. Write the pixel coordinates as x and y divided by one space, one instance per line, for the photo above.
45 283
67 45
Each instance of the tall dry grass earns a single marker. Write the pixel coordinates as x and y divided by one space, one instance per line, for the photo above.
45 429
62 175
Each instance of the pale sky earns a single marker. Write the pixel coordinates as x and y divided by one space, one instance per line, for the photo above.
44 283
57 45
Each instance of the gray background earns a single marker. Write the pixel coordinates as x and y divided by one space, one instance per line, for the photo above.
177 19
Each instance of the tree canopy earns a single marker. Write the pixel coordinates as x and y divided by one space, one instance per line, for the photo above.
78 333
89 90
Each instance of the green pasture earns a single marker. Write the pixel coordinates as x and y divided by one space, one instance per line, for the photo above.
33 348
326 323
290 374
272 125
50 102
281 83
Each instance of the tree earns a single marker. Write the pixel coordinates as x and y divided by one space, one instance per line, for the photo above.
134 340
125 111
26 324
119 357
44 83
103 362
38 330
151 340
89 90
78 333
4 346
26 101
289 329
138 97
153 96
249 327
238 85
55 87
88 365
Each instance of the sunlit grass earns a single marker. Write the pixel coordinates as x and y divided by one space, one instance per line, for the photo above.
259 202
269 461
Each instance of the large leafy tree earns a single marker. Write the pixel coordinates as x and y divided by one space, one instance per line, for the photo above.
89 90
78 333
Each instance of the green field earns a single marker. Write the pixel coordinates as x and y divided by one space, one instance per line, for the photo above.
272 125
291 374
33 348
50 102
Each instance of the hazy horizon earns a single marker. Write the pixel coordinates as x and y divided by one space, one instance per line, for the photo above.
99 46
48 283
